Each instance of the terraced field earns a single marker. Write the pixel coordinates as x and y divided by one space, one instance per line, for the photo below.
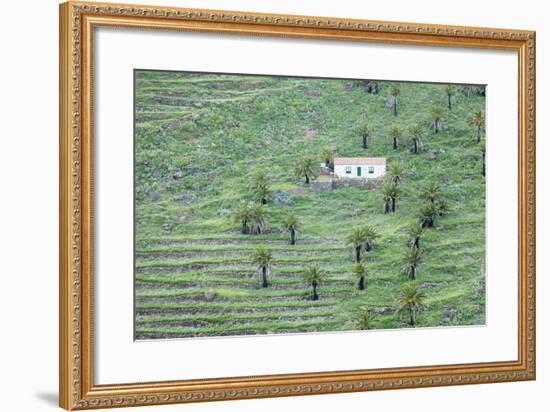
198 136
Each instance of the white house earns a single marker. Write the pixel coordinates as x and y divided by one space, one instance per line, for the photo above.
362 167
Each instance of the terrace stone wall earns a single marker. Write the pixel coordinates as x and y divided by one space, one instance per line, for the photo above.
342 183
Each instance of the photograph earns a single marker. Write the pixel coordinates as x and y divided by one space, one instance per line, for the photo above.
279 205
350 189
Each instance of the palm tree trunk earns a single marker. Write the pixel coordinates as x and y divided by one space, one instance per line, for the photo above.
412 321
449 101
415 146
478 134
264 201
314 296
417 242
428 222
387 207
413 272
436 129
395 106
483 168
358 254
264 277
292 236
307 179
244 229
368 247
361 285
365 140
393 204
395 143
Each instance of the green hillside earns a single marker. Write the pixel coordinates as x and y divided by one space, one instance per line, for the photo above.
198 140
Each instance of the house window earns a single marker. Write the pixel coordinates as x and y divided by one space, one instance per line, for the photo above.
371 170
348 169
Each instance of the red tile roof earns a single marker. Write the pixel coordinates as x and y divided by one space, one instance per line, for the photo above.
364 161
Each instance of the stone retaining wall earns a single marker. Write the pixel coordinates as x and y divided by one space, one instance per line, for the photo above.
342 183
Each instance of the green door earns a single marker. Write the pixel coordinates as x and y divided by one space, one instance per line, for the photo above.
358 170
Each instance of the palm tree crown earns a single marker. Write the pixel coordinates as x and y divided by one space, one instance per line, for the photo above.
369 236
327 154
390 194
477 120
411 300
414 231
436 117
259 184
356 239
410 262
394 133
415 132
262 257
396 172
450 90
306 168
292 224
365 319
364 131
258 215
432 192
313 277
394 91
243 215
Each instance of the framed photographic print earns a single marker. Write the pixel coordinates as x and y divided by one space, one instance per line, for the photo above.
258 205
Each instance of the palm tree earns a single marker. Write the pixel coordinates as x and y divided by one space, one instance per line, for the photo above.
258 215
372 86
364 131
292 224
262 257
390 194
394 133
394 91
428 214
360 271
306 169
468 90
450 90
259 184
313 276
364 319
432 192
243 215
436 117
415 131
327 154
477 120
369 236
356 239
410 301
414 231
396 172
410 262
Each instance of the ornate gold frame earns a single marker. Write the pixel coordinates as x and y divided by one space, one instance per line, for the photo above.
76 387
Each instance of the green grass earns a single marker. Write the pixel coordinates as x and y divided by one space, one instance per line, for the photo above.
199 136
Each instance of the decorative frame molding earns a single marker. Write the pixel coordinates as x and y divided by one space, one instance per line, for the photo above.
76 388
